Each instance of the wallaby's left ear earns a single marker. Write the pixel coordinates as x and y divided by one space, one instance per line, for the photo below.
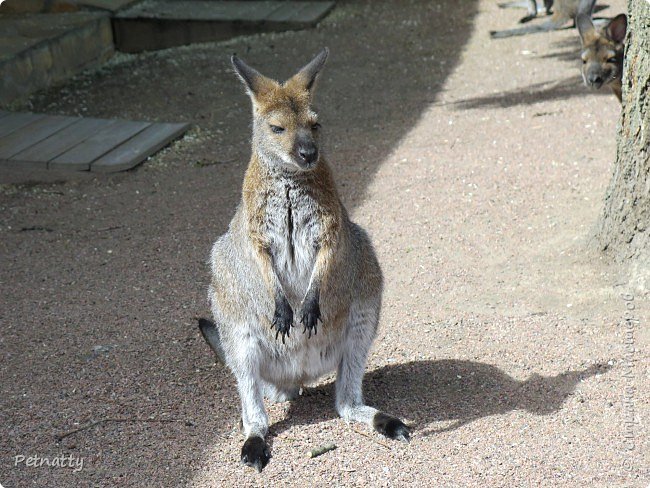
585 28
306 77
617 28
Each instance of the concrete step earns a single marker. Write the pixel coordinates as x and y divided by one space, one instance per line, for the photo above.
38 50
160 24
58 6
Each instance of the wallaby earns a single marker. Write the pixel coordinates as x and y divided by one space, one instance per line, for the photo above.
602 52
291 248
531 6
563 12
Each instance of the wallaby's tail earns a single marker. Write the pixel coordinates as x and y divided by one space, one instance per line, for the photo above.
211 335
529 29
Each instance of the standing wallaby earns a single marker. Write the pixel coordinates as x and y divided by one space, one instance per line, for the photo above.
531 6
563 12
602 52
291 248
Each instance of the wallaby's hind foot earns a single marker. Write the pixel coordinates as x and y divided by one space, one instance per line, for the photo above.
255 453
391 427
210 333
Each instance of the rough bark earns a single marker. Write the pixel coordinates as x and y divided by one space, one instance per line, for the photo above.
624 226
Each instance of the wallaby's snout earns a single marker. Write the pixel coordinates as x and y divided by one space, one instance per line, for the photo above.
595 76
285 127
306 151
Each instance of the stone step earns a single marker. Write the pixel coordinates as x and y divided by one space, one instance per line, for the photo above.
38 50
160 24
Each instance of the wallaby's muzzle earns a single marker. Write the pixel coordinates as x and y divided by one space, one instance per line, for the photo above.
306 152
595 76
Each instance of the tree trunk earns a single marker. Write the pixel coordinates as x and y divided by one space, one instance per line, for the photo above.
624 226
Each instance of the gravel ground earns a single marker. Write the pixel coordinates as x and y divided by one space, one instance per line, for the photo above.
478 167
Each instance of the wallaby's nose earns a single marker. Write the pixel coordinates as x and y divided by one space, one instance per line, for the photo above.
595 79
309 154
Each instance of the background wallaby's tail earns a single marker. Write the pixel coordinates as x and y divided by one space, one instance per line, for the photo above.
211 335
530 29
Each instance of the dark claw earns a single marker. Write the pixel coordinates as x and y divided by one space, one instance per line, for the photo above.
310 314
391 427
282 318
255 453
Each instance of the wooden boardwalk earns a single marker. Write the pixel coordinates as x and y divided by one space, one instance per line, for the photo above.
38 141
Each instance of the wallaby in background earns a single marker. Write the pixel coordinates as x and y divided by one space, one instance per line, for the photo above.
602 52
563 12
292 251
531 6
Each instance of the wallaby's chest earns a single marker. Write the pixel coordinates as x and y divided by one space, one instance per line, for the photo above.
293 230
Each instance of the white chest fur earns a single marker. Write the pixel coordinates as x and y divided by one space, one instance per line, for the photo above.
293 229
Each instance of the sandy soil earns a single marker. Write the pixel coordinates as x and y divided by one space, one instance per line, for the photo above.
478 167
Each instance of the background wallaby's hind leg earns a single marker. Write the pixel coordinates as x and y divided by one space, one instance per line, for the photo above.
349 379
532 12
530 5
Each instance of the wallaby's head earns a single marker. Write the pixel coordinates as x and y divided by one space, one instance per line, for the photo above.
285 128
602 51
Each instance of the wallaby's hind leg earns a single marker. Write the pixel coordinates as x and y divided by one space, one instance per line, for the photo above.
349 379
548 5
530 5
255 422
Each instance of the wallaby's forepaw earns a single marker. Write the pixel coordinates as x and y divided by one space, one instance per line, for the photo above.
310 315
391 427
282 318
255 453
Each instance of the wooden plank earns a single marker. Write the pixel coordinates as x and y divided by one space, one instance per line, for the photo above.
31 134
138 148
80 156
62 141
16 121
312 12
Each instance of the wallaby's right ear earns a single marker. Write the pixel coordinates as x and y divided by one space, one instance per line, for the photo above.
254 81
585 27
617 28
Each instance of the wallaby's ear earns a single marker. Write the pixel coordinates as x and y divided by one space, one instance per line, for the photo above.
306 77
617 28
585 27
253 80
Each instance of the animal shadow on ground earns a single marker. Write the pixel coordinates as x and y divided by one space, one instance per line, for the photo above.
456 392
565 50
535 93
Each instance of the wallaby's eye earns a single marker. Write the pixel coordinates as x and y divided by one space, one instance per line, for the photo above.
315 126
277 129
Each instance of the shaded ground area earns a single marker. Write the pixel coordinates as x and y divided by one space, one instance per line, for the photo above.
478 167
